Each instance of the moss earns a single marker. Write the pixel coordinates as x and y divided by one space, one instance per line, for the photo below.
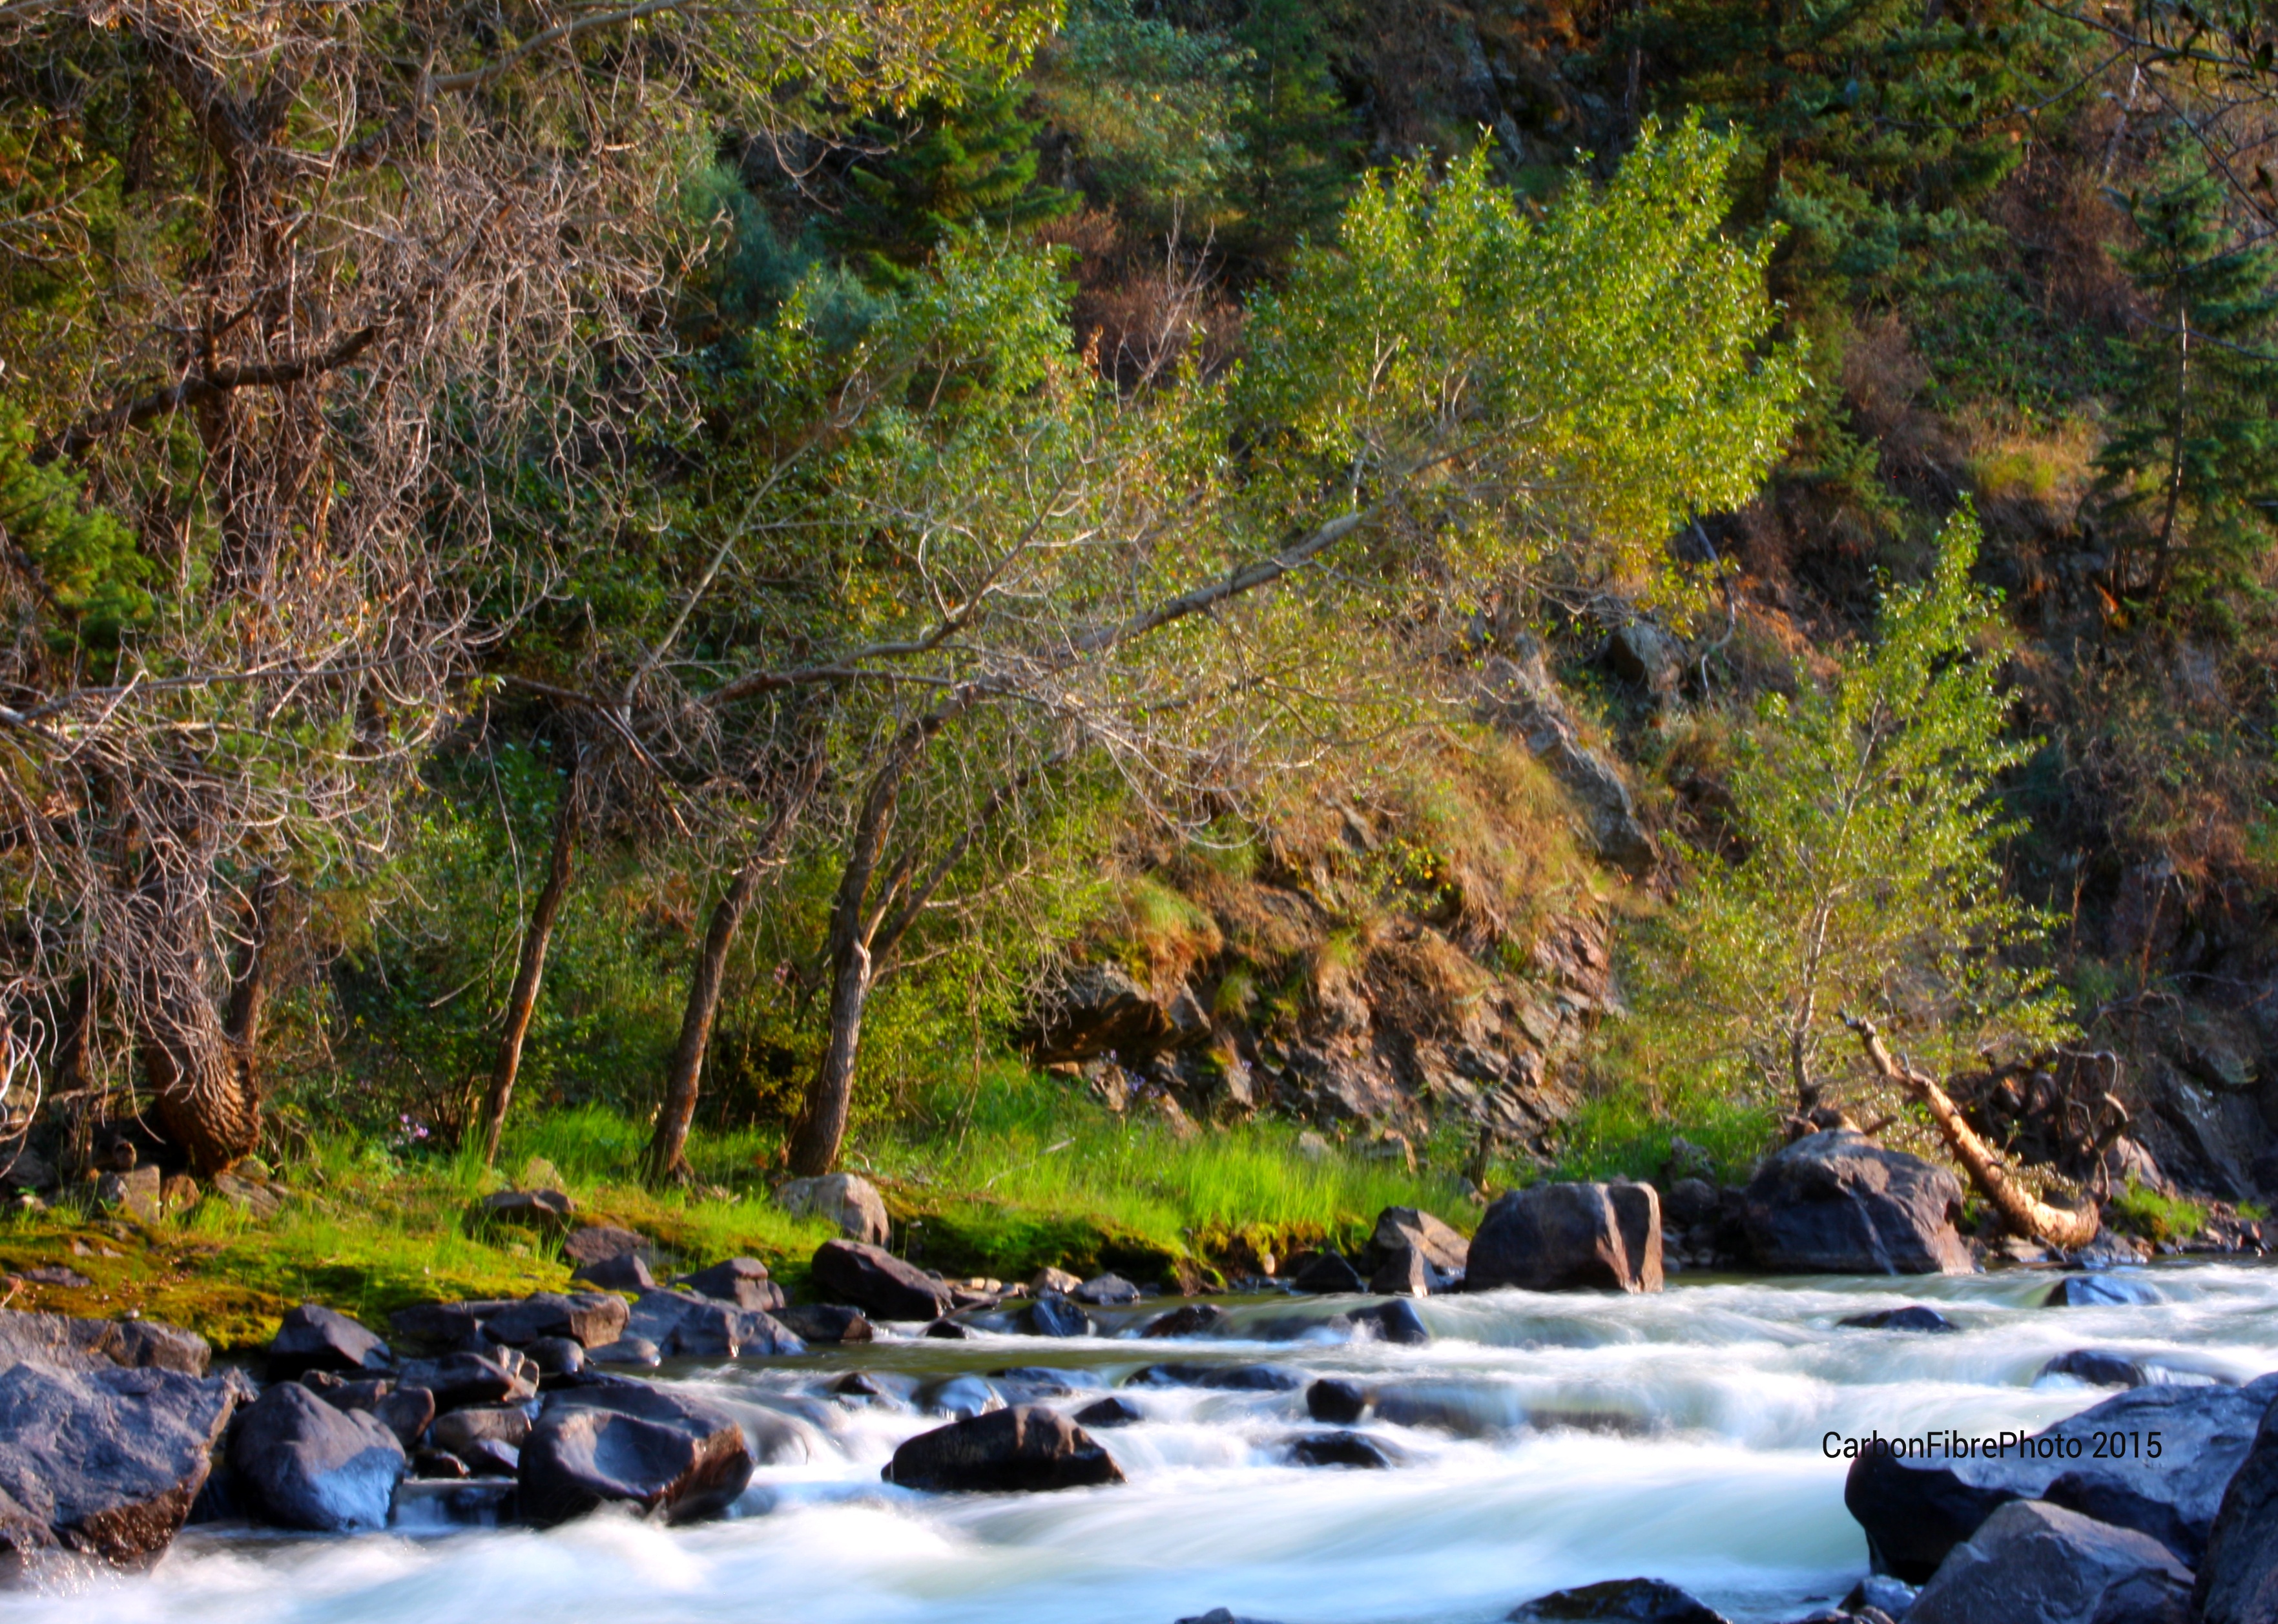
2156 1218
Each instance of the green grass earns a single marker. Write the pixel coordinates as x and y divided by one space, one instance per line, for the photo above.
2156 1218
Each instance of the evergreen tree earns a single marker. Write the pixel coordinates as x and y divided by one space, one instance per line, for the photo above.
1295 136
2191 471
945 169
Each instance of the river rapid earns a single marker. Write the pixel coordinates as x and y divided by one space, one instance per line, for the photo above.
1540 1441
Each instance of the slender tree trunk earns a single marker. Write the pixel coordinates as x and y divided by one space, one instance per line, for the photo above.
536 937
668 1148
248 991
823 1125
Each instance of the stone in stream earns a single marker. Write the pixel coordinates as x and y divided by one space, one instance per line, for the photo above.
740 1281
950 1330
1024 1449
1564 1237
1055 1317
1345 1449
631 1444
458 1379
852 1203
2238 1575
626 1351
1835 1202
1193 1319
1396 1322
686 1325
1915 1510
1405 1273
1409 1229
877 1282
1222 1615
306 1465
1107 1291
404 1411
2097 1366
1887 1596
1338 1402
314 1337
1109 1412
492 1458
1914 1316
858 1384
1228 1378
557 1357
590 1319
2099 1292
438 1466
1324 1274
960 1397
825 1322
2041 1563
459 1430
1617 1601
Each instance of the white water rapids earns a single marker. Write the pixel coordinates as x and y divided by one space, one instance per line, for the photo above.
1544 1441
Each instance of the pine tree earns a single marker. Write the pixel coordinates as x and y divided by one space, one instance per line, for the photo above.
2190 473
1295 136
942 170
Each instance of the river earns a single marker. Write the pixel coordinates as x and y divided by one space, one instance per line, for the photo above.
1542 1441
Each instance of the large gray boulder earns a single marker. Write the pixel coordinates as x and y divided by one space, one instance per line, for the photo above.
877 1282
1409 1229
306 1465
1916 1510
684 1326
1835 1202
1023 1448
70 1344
103 1459
1566 1237
741 1282
2238 1575
2034 1563
628 1444
852 1203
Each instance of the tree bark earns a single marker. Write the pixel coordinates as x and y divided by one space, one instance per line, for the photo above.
248 991
536 937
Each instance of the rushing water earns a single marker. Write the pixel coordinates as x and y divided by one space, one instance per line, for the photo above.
1543 1441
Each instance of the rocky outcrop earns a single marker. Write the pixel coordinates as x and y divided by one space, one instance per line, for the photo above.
852 1203
93 1344
1835 1202
307 1465
1567 1237
1518 698
1617 1601
626 1444
314 1337
1021 1449
877 1282
2041 1563
1915 1511
2238 1575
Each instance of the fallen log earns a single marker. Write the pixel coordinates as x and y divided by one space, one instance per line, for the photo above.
2024 1213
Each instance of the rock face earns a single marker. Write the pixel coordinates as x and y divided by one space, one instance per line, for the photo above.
103 1459
877 1282
314 1337
1021 1449
631 1444
1915 1511
1617 1601
307 1465
2239 1576
1565 1237
1522 700
853 1204
1835 1202
2041 1564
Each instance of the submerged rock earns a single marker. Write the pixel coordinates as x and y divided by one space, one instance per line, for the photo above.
1617 1601
631 1444
1914 1316
1339 1403
1339 1449
2238 1575
1109 1412
1567 1237
1835 1202
1025 1449
2097 1366
877 1282
1231 1378
1192 1319
314 1337
2032 1561
306 1465
1396 1322
2099 1290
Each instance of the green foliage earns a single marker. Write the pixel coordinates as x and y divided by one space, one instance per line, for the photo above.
1297 139
1868 876
2190 473
87 572
2156 1218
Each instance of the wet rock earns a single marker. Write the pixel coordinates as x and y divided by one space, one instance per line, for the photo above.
2099 1290
627 1351
1339 1403
1397 1321
1042 1382
1891 1598
313 1337
1194 1319
684 1326
1056 1317
2042 1563
459 1430
1835 1202
950 1330
1109 1412
1914 1316
742 1281
490 1457
624 1272
629 1443
1617 1601
853 1204
1915 1511
1228 1378
1024 1449
1690 1203
2097 1366
1567 1237
825 1322
1346 1449
1324 1273
306 1465
438 1466
1406 1273
404 1411
103 1459
459 1379
1108 1291
877 1282
963 1396
557 1357
858 1384
2238 1575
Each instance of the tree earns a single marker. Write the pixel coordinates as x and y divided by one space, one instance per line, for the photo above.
1869 881
1297 138
2189 474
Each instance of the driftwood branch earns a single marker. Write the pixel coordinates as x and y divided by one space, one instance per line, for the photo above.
2024 1214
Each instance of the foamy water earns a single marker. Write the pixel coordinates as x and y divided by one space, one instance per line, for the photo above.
1542 1441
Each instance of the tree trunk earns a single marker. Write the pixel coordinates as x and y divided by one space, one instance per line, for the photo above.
823 1123
536 937
248 991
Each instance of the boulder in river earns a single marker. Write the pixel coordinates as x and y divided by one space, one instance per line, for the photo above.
824 1322
1406 1274
629 1443
1230 1378
1396 1322
740 1281
1107 1291
1411 1229
1324 1273
460 1430
1053 1315
315 1338
1022 1449
1109 1412
877 1282
1339 1402
1193 1319
404 1411
457 1379
852 1203
2099 1290
1617 1601
1344 1449
1916 1509
307 1465
1914 1316
2097 1366
684 1326
1835 1202
1567 1237
2040 1563
2238 1575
